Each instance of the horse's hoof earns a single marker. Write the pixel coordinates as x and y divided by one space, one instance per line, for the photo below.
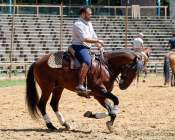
51 127
67 126
88 114
109 125
166 84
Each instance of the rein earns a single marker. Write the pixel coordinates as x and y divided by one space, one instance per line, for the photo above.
106 65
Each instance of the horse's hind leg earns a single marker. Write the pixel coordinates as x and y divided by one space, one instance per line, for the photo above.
145 75
145 72
137 78
56 95
173 79
46 91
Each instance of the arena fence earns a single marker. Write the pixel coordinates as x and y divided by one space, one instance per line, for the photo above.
74 10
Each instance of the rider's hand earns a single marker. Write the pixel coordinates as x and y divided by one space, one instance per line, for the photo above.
101 42
99 46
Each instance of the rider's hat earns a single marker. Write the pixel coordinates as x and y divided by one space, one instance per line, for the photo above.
141 34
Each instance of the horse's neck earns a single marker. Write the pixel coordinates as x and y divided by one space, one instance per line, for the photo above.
118 59
118 53
104 66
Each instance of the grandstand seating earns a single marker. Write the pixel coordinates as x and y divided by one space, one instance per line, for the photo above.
35 36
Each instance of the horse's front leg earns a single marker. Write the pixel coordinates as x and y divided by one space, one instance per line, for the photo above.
101 115
111 110
103 98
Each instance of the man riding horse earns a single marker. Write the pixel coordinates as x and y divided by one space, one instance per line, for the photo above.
123 65
138 45
143 51
83 36
171 45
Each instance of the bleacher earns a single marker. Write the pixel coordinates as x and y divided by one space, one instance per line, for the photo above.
35 36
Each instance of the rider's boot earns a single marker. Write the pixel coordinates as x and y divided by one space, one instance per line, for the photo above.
82 91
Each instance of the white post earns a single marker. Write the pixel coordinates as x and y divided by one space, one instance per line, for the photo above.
12 39
37 10
165 8
126 24
61 22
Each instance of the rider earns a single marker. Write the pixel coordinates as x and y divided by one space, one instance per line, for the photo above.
171 44
138 46
83 36
138 41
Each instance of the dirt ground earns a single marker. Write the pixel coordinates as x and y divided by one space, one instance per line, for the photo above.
147 112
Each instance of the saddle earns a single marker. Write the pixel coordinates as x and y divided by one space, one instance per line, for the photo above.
63 59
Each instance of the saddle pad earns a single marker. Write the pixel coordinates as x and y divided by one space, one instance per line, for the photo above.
55 60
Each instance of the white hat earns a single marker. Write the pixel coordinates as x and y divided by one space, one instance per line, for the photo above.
141 34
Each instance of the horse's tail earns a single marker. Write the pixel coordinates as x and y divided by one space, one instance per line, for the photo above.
166 70
31 93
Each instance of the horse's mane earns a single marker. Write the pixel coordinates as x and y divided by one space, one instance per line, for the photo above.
120 52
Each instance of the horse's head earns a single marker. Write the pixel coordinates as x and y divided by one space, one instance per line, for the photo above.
128 72
125 65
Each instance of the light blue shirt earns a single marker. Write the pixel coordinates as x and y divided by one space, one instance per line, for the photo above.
82 30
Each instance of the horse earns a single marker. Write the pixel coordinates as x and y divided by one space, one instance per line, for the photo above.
169 60
122 65
144 55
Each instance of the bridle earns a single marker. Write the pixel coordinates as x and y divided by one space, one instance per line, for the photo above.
136 65
125 69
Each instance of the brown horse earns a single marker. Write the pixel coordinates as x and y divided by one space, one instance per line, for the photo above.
100 80
144 55
169 61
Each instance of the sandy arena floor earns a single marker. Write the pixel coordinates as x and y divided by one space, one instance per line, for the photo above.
147 112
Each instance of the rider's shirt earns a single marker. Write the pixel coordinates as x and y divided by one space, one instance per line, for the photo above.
172 43
82 30
137 43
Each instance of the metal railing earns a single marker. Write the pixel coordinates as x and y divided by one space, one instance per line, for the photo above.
74 10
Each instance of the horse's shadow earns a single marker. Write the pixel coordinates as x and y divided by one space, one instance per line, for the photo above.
157 86
60 130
